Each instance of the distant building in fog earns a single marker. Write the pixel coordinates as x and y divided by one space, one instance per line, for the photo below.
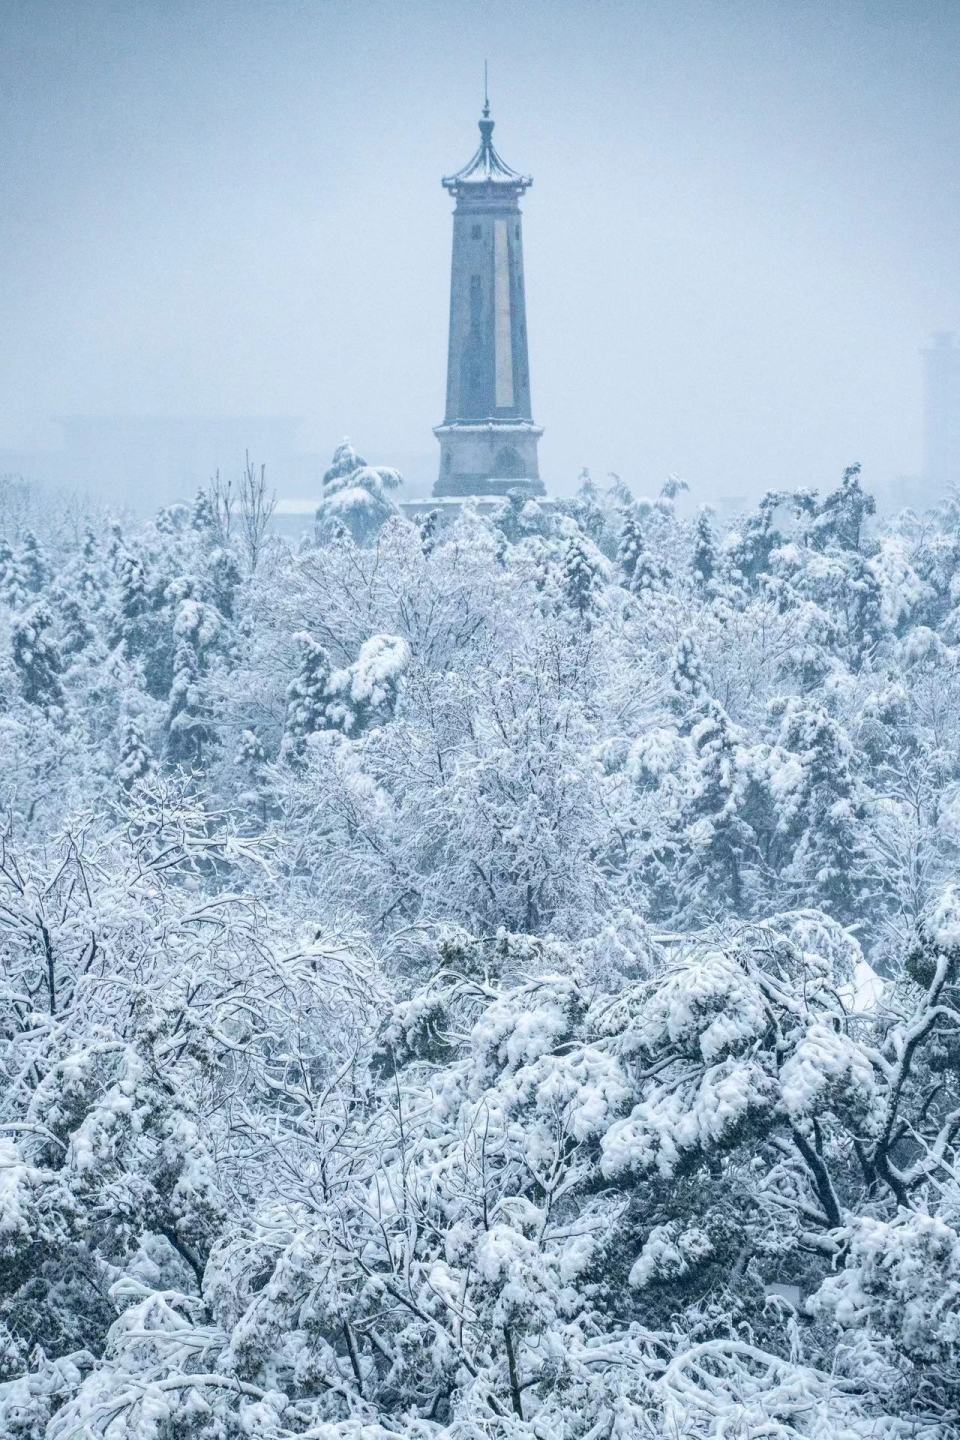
941 412
150 460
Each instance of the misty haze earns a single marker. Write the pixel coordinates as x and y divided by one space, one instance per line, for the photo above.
479 720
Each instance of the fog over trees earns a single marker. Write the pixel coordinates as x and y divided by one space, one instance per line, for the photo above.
492 974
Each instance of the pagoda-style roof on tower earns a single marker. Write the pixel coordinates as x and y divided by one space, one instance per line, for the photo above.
486 167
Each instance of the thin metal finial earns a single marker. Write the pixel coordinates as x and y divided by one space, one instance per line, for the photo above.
486 92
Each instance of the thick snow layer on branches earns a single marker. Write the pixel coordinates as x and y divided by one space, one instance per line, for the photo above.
492 975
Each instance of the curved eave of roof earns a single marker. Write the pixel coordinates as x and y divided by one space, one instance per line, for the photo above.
487 167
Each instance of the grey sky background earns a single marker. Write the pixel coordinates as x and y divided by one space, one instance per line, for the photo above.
744 223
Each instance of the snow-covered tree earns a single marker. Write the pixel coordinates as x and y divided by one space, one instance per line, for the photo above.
189 726
581 575
134 762
704 562
37 660
630 546
307 698
354 495
491 978
14 580
33 563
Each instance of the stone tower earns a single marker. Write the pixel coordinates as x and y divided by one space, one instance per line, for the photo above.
488 441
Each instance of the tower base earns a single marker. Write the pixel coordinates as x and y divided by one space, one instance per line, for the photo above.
492 457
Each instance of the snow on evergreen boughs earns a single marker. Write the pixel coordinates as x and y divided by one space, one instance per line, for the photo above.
134 762
354 495
499 975
36 658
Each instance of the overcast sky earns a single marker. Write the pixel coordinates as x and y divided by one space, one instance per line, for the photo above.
743 227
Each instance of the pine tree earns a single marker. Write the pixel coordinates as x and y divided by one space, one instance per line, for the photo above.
186 730
587 508
33 563
366 693
649 575
618 494
140 623
89 579
688 679
225 579
116 546
251 759
135 761
354 494
307 699
133 595
189 731
427 526
14 590
671 488
750 556
580 576
202 518
719 838
704 562
631 545
821 811
76 632
841 517
37 660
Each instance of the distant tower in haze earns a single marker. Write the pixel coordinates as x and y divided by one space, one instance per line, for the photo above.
941 411
488 441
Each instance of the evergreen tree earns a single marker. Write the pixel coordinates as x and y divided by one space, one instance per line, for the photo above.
719 839
354 495
33 563
135 762
186 730
580 575
631 545
860 619
251 760
366 693
428 526
225 580
649 575
141 622
618 494
14 590
671 488
307 699
76 632
704 563
189 730
841 517
116 546
821 811
37 660
202 518
132 600
844 585
587 507
89 580
688 679
760 536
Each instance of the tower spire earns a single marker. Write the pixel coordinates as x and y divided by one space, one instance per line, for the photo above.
486 93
